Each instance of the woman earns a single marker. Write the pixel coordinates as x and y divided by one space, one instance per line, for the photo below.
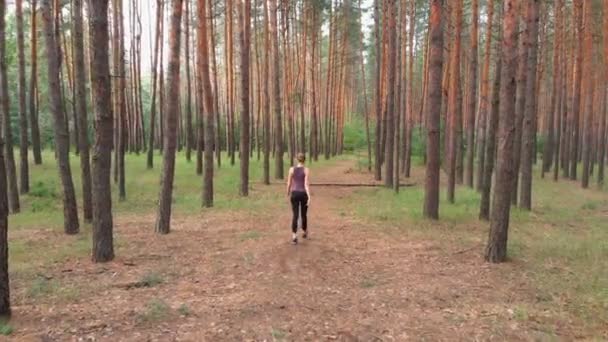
299 193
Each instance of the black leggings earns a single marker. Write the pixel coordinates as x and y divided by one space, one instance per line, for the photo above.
299 206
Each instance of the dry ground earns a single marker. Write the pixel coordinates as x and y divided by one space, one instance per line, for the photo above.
231 276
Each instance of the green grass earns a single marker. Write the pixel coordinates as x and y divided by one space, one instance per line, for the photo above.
5 329
156 310
43 204
562 244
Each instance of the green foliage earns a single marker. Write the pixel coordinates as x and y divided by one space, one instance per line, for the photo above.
5 329
184 310
156 310
355 137
151 279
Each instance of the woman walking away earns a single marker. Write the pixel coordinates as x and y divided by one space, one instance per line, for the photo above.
299 193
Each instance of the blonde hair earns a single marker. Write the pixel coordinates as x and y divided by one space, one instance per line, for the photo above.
301 157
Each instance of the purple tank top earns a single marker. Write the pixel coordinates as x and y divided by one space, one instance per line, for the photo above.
299 177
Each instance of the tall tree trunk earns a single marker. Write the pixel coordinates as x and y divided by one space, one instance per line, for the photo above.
70 210
454 103
266 77
120 99
603 113
528 140
433 164
207 96
496 249
520 99
12 187
576 100
278 123
35 130
588 92
163 217
244 11
103 244
378 101
484 101
472 95
24 178
157 43
81 107
190 143
490 146
390 112
549 147
5 302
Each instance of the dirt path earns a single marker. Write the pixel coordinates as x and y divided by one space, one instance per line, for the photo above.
235 277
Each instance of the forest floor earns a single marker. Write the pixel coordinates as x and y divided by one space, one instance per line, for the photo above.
372 270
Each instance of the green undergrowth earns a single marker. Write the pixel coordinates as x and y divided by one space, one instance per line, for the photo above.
42 207
562 243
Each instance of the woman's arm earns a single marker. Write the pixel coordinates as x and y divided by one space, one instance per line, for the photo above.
289 177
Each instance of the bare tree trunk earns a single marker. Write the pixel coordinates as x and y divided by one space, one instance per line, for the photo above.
484 101
70 210
157 43
454 103
496 249
24 178
528 140
10 169
378 101
163 218
588 93
103 241
244 12
5 302
433 164
490 146
35 130
603 113
276 73
472 96
390 120
189 130
203 69
548 150
81 107
520 99
576 101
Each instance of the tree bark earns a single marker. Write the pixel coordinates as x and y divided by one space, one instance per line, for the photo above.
11 173
190 143
244 11
576 100
431 196
520 99
390 112
103 244
588 93
81 107
454 103
276 73
24 178
378 101
484 101
165 197
5 303
472 96
157 43
490 146
496 249
35 130
528 140
207 96
70 210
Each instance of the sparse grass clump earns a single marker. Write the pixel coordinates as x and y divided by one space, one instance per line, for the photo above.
5 329
151 279
156 310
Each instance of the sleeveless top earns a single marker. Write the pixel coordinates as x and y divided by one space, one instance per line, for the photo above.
299 178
